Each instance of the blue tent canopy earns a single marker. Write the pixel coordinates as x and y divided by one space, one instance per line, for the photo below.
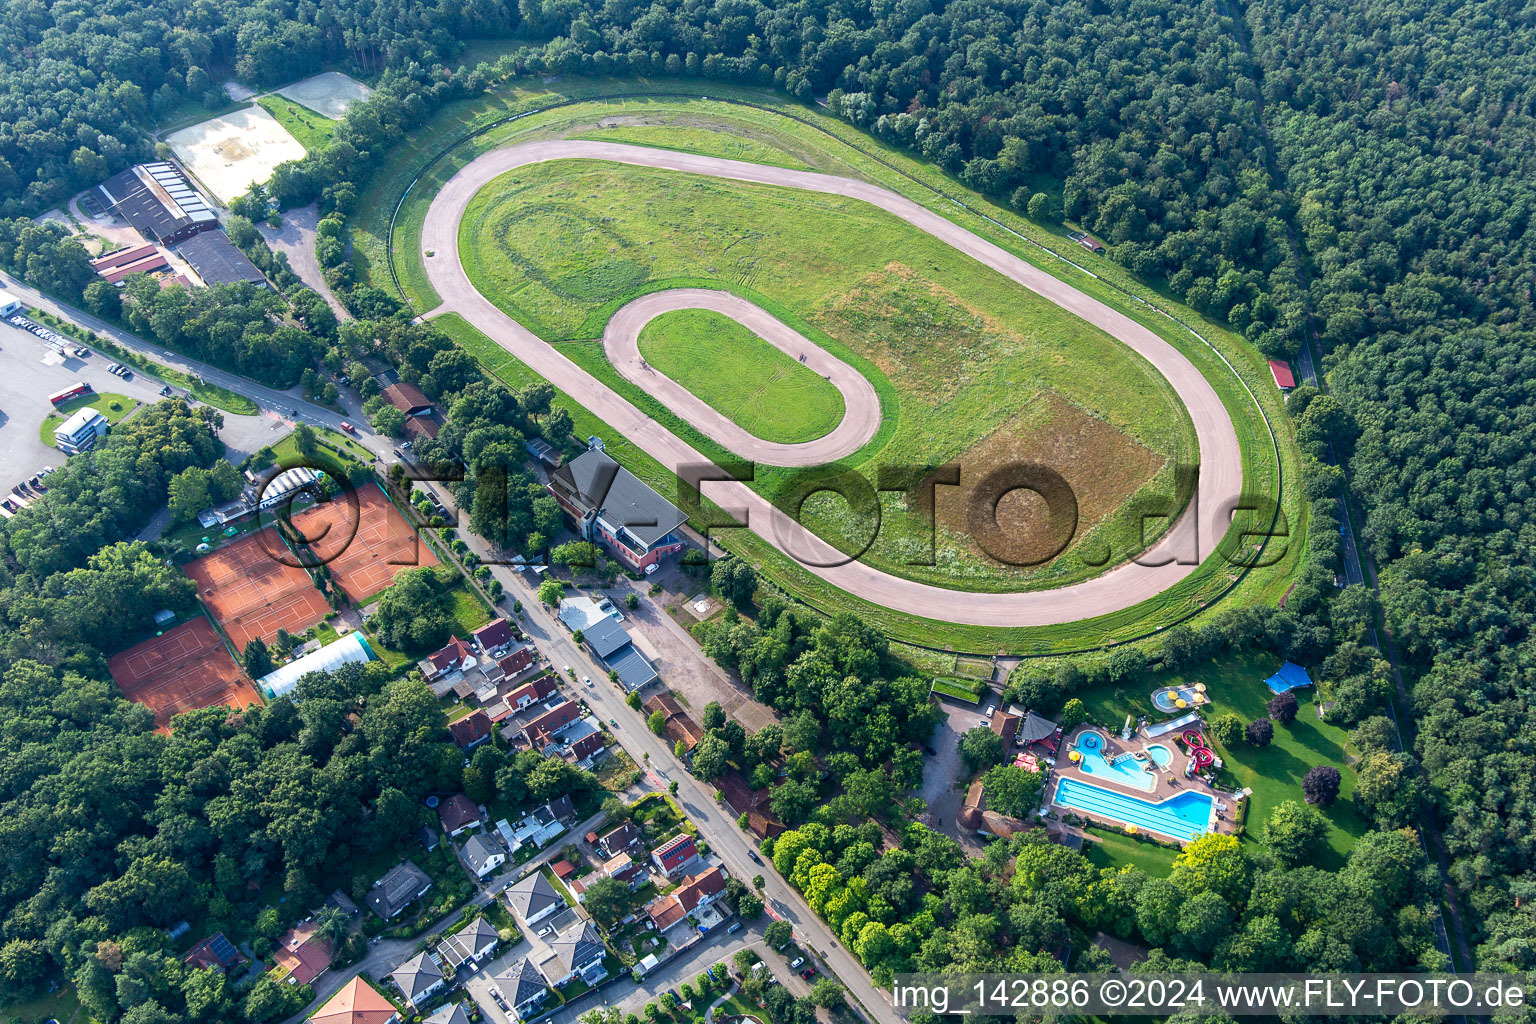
1290 676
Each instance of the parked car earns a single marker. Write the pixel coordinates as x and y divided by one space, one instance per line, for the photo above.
613 723
808 973
991 710
349 428
405 446
755 858
81 352
732 930
45 471
794 964
126 374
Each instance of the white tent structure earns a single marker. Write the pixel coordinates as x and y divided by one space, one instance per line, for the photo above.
345 651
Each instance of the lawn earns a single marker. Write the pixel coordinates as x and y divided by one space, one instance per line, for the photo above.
110 404
62 1005
1117 851
972 367
702 140
962 689
756 386
1234 367
311 129
1274 773
333 454
468 611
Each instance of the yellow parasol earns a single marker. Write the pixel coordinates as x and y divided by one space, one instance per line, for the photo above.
1200 687
1131 829
1075 756
1180 702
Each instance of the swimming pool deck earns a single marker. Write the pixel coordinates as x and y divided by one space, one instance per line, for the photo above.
1169 783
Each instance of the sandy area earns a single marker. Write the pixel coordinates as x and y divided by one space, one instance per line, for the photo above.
329 93
231 153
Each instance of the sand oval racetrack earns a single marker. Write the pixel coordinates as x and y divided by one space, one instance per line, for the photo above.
861 404
1192 539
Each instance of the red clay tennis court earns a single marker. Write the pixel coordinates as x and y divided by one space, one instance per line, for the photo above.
254 587
185 668
365 562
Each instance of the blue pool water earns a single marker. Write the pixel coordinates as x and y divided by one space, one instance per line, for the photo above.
1125 769
1183 817
1160 754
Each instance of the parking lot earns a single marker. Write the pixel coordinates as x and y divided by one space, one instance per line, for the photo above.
33 371
943 770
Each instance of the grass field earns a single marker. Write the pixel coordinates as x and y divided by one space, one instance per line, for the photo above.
1232 365
109 403
1117 851
962 689
982 370
744 377
1274 773
689 139
311 129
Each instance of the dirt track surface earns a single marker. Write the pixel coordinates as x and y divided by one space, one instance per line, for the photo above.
861 405
1193 538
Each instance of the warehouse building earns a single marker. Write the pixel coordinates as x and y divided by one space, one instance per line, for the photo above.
217 261
134 259
158 201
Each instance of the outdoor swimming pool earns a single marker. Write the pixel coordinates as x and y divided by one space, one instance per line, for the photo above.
1181 817
1125 769
1160 755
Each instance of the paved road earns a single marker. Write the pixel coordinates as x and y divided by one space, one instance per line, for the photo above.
1192 538
861 404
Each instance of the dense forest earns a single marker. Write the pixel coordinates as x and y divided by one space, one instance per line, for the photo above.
1356 177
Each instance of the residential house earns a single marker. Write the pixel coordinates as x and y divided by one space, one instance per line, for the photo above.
356 1002
608 504
623 839
455 656
517 658
403 885
494 637
693 894
451 1013
427 836
679 727
677 856
533 690
342 902
471 730
576 952
523 987
540 730
626 869
458 814
533 898
483 854
302 954
535 828
419 979
475 943
1006 724
215 953
562 807
579 742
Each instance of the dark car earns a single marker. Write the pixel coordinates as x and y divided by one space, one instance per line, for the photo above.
755 858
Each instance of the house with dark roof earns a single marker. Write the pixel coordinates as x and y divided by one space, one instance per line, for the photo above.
533 898
562 807
578 951
159 201
471 730
623 839
403 885
677 856
458 814
608 504
419 427
213 953
540 731
408 398
450 1013
301 954
476 942
1006 725
494 637
483 854
217 260
533 690
523 987
427 836
419 979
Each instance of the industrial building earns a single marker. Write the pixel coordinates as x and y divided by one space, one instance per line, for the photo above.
217 261
79 433
134 259
9 303
159 201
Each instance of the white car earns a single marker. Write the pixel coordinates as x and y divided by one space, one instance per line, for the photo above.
794 964
991 710
587 680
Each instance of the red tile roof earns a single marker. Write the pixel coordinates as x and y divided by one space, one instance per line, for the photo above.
496 633
456 812
1282 373
305 955
472 728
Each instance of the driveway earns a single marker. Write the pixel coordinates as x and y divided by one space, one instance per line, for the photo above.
1194 536
296 240
944 773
